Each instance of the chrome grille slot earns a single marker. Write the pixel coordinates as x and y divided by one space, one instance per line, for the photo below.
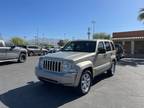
52 65
59 66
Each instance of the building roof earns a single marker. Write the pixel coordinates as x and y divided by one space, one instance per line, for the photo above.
129 34
129 38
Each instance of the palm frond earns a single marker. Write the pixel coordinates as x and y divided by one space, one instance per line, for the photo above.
141 10
141 15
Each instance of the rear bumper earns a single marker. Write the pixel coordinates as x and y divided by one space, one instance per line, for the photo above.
66 79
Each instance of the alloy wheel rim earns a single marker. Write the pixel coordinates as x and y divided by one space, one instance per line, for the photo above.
85 83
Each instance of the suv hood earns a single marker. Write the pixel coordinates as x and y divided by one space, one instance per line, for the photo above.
70 55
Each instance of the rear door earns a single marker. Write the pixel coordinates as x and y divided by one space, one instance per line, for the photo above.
108 54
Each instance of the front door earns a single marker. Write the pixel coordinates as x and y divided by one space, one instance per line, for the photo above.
12 53
99 59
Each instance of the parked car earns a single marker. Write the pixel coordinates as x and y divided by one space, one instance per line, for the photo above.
9 52
53 50
119 51
78 63
36 50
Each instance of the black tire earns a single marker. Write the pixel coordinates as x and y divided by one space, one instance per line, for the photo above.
84 87
22 58
111 71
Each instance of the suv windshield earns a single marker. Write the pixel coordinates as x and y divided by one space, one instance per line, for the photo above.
80 46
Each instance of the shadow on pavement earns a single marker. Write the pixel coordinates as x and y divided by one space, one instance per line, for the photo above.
38 95
8 63
131 62
100 78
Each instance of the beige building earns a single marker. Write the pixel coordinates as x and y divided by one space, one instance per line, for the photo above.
132 41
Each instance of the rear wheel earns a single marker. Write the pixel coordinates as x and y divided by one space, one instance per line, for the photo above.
85 82
22 58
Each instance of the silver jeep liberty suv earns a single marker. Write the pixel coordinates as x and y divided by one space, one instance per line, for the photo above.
78 63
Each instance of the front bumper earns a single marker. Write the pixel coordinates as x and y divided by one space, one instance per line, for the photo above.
66 79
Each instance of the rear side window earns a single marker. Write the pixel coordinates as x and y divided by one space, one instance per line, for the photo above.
112 45
108 47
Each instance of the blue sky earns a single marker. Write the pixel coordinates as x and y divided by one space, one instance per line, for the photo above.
54 18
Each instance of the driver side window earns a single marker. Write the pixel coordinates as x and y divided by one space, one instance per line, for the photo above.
100 46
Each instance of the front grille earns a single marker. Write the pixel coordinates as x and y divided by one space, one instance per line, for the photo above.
52 65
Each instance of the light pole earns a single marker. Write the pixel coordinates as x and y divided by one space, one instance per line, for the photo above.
93 27
88 33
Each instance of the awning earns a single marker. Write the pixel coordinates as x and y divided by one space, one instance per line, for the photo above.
128 38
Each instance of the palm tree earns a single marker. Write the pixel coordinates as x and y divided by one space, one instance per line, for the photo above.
141 15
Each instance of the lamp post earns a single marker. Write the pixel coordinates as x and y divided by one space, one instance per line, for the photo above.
88 33
93 27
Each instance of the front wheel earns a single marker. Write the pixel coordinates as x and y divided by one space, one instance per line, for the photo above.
85 82
22 58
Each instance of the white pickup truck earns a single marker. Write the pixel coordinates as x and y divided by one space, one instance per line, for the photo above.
9 52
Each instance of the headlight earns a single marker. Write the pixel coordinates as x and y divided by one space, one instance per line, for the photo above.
68 67
40 63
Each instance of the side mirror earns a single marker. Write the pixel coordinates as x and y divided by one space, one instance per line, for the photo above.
101 51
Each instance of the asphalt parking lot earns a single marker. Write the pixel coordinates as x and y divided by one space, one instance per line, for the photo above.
19 88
